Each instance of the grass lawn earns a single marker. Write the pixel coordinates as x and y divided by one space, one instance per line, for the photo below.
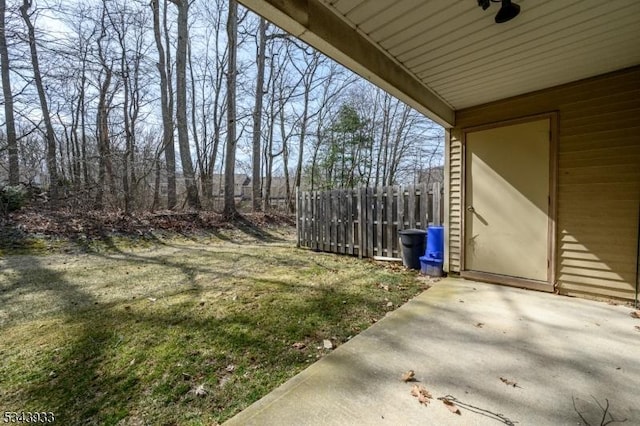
186 331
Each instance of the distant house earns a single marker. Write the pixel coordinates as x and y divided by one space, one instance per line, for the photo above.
278 188
431 175
241 186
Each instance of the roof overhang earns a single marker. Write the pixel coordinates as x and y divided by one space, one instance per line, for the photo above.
440 56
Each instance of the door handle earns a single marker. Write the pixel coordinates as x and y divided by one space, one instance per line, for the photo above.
471 209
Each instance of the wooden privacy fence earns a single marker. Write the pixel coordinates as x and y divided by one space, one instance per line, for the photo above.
365 222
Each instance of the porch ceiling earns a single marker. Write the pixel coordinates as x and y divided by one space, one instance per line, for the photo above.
441 55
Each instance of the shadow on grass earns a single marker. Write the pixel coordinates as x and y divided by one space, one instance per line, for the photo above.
143 362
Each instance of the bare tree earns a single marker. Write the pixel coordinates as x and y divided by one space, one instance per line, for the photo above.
105 99
12 143
257 116
181 107
229 209
52 164
166 105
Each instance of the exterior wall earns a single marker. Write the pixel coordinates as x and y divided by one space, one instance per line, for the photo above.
455 200
598 188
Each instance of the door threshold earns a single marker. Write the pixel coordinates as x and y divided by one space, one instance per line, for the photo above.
508 281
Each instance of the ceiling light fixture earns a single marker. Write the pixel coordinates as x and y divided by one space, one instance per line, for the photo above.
507 11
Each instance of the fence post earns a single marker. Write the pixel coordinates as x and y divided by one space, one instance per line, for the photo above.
379 218
400 208
350 223
370 219
412 206
298 216
424 208
437 219
361 224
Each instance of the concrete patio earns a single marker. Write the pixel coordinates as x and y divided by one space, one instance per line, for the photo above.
566 356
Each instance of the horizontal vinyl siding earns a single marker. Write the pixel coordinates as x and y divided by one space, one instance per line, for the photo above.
598 178
455 202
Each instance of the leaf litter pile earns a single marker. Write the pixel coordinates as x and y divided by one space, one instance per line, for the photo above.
19 229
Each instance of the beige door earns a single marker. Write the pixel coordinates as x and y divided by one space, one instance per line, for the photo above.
507 200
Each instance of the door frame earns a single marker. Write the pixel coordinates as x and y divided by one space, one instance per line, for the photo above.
550 284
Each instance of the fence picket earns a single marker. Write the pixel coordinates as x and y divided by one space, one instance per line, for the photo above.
389 215
423 206
412 206
370 222
360 239
379 219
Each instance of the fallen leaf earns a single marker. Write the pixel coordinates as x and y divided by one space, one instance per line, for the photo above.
451 406
299 345
423 395
230 368
480 324
635 314
508 382
637 327
389 304
408 376
200 391
327 344
152 299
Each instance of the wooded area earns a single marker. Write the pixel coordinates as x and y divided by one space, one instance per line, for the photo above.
364 222
101 97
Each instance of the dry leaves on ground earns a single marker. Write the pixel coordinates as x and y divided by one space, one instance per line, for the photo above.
480 324
635 314
451 406
409 376
509 382
423 395
200 390
637 327
299 345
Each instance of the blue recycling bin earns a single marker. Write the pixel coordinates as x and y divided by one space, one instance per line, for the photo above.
433 260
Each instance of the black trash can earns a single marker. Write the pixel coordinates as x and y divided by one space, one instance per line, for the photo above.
413 245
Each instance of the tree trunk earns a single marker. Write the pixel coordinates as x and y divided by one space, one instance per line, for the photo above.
104 153
167 120
52 164
256 192
229 209
181 104
12 142
126 183
194 129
